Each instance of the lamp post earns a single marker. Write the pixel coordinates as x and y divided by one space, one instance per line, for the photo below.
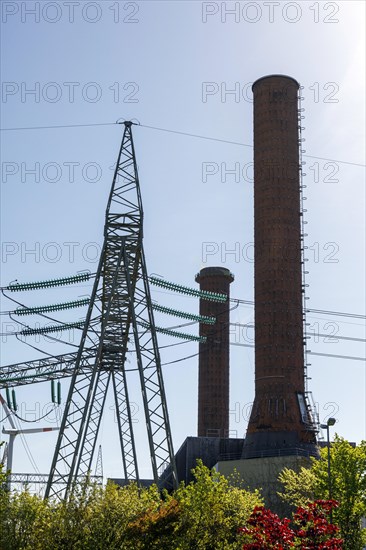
330 422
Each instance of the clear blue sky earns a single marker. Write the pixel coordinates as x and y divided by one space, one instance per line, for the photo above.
172 65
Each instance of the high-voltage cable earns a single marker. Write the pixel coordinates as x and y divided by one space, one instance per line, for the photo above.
168 130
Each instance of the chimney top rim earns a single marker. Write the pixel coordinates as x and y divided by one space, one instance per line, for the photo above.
215 271
285 76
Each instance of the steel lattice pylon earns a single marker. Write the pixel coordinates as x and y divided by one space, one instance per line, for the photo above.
120 308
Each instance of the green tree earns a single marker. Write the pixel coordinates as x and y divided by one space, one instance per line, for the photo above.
115 510
156 528
212 508
348 476
23 520
96 518
92 518
203 515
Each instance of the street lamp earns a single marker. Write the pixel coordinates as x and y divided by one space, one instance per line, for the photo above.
330 422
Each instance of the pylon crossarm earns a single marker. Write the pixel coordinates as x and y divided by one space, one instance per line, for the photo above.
41 370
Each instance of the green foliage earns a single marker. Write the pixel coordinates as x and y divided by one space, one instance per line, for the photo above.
115 510
299 487
348 475
23 518
92 518
203 515
156 528
212 509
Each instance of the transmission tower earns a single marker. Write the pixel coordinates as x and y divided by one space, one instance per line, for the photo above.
99 464
120 308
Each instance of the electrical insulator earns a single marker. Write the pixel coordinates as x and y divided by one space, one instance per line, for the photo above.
15 406
53 397
8 398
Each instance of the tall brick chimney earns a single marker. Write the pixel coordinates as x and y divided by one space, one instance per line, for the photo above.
279 419
213 384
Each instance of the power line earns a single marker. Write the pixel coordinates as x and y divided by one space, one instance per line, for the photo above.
337 356
19 333
246 302
311 335
310 353
237 301
341 314
37 419
336 337
251 346
57 126
239 143
181 359
188 134
178 132
338 321
26 446
310 310
251 303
